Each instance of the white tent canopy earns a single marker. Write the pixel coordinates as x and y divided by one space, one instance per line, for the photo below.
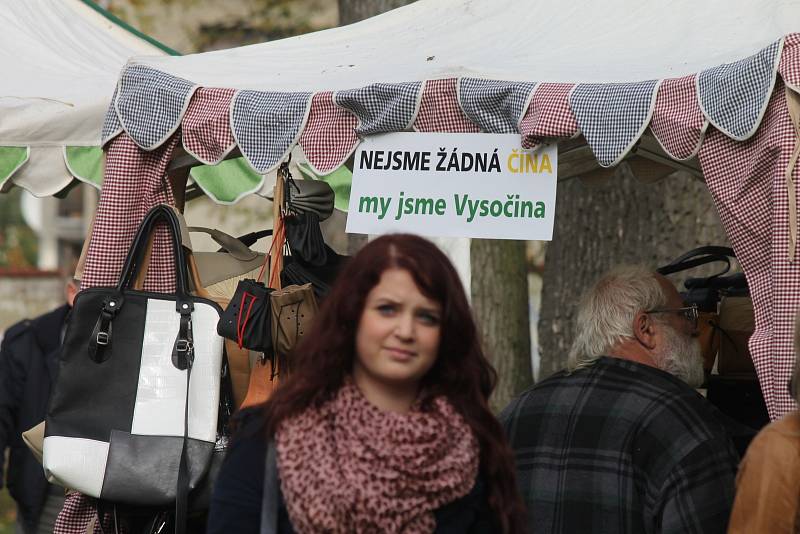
60 61
614 57
697 78
579 42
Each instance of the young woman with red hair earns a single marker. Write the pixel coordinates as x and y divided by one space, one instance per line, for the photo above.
383 424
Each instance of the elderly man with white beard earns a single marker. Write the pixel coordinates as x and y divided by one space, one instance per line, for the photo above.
620 441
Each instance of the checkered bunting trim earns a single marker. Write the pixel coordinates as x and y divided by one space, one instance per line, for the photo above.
382 107
548 115
612 116
111 125
678 123
329 136
134 182
747 184
734 96
789 65
151 103
495 106
266 125
439 110
206 128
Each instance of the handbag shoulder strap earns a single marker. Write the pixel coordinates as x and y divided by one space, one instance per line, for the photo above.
230 244
133 261
99 346
700 256
269 504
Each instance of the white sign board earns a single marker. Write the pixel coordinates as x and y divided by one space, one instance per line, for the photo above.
453 185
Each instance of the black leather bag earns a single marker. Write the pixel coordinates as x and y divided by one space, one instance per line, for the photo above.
132 367
246 320
305 240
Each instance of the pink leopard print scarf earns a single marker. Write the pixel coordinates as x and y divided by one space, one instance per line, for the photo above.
350 467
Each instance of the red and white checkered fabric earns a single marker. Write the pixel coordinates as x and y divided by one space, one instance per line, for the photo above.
75 516
789 65
439 110
206 126
746 180
330 134
135 181
548 115
78 513
678 122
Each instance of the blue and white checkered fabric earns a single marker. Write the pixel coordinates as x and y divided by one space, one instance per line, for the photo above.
734 96
612 116
151 103
382 107
111 124
266 125
496 107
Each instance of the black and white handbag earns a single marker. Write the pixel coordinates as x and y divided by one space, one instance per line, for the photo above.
133 415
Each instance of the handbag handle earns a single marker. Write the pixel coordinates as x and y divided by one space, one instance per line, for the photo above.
133 261
250 239
700 256
233 246
100 341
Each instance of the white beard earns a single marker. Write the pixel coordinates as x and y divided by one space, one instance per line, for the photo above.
681 356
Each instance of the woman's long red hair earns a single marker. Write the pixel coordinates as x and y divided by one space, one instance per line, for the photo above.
324 356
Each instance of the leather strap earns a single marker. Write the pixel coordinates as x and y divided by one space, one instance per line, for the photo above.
230 244
700 256
183 348
250 239
100 342
793 106
182 491
269 505
187 358
194 278
278 233
134 259
261 385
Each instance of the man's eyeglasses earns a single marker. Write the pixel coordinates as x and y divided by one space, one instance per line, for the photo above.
689 313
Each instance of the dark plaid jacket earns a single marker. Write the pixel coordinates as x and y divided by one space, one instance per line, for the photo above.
620 447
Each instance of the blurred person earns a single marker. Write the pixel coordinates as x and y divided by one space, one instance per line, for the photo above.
28 367
767 494
384 423
620 442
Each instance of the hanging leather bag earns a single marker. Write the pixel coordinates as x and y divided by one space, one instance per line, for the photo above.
246 319
293 310
234 259
133 415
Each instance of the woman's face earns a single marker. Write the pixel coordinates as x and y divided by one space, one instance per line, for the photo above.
398 334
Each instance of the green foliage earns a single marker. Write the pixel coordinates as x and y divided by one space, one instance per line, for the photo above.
267 20
18 243
8 513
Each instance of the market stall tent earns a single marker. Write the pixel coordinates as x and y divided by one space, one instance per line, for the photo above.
709 83
60 61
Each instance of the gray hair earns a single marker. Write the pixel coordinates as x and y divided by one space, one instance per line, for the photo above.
607 310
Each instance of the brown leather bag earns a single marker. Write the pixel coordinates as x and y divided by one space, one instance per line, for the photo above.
736 325
293 310
263 371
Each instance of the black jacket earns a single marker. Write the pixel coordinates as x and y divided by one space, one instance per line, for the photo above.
28 368
236 505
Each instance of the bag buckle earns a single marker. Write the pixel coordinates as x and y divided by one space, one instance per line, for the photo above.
102 338
183 345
